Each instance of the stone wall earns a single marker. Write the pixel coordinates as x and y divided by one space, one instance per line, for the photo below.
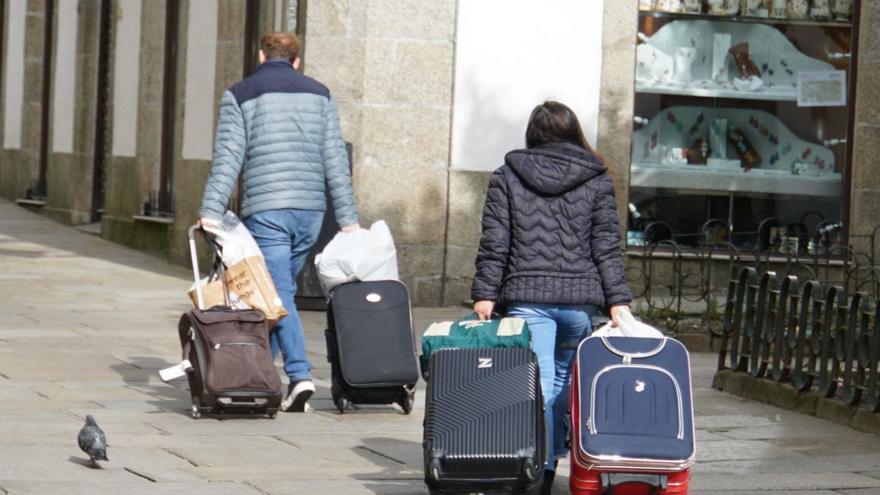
18 167
393 84
865 202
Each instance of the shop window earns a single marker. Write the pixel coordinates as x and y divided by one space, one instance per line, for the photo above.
743 112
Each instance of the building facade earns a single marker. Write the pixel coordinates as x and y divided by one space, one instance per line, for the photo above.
110 107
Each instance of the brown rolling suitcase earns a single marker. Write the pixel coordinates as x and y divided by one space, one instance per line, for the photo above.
231 368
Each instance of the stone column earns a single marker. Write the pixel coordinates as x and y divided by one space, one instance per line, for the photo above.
389 65
866 138
617 95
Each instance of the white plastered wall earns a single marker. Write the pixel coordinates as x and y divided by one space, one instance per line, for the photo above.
201 52
511 55
126 77
13 84
64 76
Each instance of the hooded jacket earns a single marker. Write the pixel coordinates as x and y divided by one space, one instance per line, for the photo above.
550 231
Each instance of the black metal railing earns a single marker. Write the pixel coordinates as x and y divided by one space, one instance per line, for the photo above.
817 338
672 270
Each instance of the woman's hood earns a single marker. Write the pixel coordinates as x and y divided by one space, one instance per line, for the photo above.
555 168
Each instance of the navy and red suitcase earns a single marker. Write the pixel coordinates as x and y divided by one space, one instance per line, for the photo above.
632 417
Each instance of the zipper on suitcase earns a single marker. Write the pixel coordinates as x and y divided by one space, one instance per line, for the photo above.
591 421
225 344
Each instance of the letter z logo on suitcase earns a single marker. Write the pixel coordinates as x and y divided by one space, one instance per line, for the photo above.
484 362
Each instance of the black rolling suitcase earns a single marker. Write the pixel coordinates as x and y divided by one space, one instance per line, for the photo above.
370 345
484 422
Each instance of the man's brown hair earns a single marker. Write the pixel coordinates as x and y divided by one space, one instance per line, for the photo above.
280 45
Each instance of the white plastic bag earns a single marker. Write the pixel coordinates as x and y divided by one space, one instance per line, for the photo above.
364 254
247 278
629 327
235 239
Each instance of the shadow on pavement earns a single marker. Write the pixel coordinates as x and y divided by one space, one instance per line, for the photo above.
21 225
83 462
401 461
171 397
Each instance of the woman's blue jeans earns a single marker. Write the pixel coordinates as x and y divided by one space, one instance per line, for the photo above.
551 326
285 237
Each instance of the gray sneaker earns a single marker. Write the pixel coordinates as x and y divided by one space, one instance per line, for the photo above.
298 395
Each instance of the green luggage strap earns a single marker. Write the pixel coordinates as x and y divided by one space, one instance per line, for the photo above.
470 333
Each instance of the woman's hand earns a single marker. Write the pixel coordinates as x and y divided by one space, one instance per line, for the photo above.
483 309
617 312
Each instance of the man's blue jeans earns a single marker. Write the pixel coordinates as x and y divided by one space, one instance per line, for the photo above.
552 325
285 238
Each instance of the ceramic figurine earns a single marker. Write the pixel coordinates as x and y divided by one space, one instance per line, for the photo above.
723 7
647 5
744 64
675 156
842 9
744 149
754 8
779 9
684 62
798 9
718 138
821 10
693 6
720 47
698 153
674 6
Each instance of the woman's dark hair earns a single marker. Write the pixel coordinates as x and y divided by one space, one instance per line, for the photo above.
553 122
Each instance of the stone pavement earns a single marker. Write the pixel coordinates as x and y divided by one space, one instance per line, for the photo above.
85 325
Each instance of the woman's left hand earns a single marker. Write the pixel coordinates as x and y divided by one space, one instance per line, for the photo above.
617 312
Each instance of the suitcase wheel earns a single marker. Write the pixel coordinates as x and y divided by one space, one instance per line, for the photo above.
341 403
407 398
272 413
196 411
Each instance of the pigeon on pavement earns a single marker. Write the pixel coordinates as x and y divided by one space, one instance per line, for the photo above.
93 442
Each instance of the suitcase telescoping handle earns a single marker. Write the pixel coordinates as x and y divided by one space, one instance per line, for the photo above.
195 263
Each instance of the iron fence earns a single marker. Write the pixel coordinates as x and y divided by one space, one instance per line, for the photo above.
815 337
692 261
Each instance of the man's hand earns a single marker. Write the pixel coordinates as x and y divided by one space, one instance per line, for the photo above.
483 309
617 312
350 228
208 222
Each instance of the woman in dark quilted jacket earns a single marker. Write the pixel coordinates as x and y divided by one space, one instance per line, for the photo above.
550 251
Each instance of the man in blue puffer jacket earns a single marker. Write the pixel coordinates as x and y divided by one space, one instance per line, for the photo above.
281 129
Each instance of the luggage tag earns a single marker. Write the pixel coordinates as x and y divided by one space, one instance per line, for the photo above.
176 371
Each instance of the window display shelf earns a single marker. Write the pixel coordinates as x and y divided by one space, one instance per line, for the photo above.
695 58
752 20
721 181
710 89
